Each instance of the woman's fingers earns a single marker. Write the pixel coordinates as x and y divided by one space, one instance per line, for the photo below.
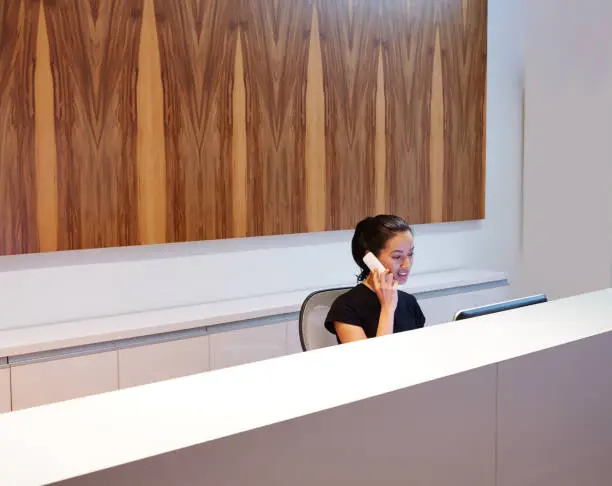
384 280
377 279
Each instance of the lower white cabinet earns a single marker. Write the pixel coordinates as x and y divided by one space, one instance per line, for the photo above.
441 309
246 345
5 390
38 383
63 379
163 361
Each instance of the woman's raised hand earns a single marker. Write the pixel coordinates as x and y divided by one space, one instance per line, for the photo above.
385 287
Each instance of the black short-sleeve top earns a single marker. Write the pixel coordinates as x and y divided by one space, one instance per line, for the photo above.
360 307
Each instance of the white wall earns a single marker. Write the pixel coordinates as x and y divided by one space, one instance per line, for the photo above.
50 287
567 241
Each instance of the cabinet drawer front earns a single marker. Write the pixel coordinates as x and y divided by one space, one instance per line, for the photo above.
63 379
247 345
5 390
163 361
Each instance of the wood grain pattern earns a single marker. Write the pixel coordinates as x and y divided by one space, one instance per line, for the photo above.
464 84
18 203
151 162
315 132
197 41
94 60
46 157
408 36
128 122
381 145
275 51
349 32
436 139
239 147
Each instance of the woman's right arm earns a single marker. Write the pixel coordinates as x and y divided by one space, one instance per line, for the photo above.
386 290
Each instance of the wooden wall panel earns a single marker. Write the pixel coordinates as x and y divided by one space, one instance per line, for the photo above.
463 39
315 159
151 149
197 42
46 156
128 122
18 223
408 47
94 50
275 51
349 31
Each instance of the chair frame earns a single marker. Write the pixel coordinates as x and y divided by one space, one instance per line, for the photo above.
303 308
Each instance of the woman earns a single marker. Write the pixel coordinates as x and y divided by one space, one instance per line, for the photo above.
375 307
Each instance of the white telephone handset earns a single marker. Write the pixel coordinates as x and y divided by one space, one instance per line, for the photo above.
373 263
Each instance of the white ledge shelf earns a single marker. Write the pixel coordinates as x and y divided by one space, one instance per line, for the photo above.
47 337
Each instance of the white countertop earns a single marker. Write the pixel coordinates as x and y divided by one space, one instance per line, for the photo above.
35 339
64 440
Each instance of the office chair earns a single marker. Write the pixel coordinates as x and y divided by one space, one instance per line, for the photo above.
315 307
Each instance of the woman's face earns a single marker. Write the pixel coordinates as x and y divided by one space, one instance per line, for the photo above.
397 256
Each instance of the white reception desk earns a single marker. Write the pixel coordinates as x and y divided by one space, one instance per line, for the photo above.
517 398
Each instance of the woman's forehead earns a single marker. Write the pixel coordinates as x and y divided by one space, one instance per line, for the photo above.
400 241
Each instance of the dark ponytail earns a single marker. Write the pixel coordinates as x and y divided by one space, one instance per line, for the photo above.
372 234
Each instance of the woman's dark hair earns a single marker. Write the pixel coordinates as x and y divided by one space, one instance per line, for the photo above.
372 234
